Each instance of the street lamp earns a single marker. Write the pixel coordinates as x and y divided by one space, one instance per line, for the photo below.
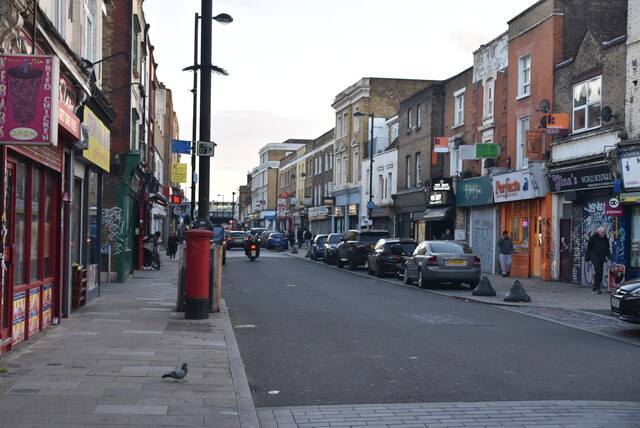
370 203
205 107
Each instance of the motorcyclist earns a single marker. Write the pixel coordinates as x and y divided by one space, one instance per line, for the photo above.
252 238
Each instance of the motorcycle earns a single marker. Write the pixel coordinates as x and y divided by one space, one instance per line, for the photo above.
253 252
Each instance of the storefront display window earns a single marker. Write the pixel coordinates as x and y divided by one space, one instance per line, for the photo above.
35 224
48 225
634 260
21 188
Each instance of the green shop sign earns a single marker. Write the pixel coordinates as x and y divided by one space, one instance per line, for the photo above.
475 191
487 150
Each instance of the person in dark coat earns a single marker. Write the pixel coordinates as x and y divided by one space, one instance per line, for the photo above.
172 244
291 237
300 237
598 251
447 235
505 249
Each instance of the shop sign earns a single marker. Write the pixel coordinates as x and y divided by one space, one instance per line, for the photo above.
442 185
474 191
318 211
66 106
555 123
29 99
630 197
338 211
513 186
534 144
441 145
352 209
328 200
305 201
631 172
580 178
442 198
487 151
613 208
99 149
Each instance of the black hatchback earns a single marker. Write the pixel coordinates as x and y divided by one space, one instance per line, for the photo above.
390 255
625 302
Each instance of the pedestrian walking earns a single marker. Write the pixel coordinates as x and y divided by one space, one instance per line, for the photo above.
150 247
598 251
291 237
300 236
172 244
307 238
505 249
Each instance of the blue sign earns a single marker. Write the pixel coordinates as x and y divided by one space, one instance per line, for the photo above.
181 146
371 205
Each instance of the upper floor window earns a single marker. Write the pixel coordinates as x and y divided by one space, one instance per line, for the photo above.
394 131
89 48
339 126
587 102
458 97
521 137
418 116
356 120
489 96
418 168
345 125
59 16
408 171
410 119
524 75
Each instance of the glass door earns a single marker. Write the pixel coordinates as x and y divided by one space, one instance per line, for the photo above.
6 281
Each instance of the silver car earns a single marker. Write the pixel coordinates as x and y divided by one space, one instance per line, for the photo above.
436 262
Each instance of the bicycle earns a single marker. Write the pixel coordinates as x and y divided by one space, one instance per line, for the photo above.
155 259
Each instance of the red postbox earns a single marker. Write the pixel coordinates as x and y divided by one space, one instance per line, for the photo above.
197 274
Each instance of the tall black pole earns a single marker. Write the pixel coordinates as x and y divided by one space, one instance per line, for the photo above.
369 208
205 113
194 128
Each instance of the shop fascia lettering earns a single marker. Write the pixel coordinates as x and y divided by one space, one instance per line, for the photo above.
513 186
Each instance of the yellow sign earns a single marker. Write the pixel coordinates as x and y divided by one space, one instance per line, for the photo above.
179 172
99 140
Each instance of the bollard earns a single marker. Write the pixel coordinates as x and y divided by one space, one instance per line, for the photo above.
484 288
517 293
197 278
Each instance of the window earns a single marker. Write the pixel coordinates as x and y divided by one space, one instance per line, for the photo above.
418 168
345 168
524 75
521 138
587 102
408 171
394 131
59 17
410 119
345 125
458 107
36 206
19 250
418 116
339 126
355 174
88 31
388 187
381 188
356 120
489 95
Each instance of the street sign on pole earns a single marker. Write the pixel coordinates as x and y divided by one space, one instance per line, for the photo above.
206 148
181 146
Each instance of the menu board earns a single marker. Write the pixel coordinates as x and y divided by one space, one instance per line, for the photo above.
47 297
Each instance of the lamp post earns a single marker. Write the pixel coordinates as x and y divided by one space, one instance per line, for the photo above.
370 203
205 107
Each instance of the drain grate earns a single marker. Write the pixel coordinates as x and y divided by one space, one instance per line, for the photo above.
245 326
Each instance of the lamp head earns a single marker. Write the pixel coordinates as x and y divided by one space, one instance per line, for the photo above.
223 18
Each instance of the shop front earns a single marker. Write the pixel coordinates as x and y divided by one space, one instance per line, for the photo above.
581 195
410 207
474 197
319 219
629 199
384 219
526 213
348 200
440 214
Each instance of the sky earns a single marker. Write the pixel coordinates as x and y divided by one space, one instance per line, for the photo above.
288 59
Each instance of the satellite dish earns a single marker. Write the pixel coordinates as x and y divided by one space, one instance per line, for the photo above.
606 113
544 106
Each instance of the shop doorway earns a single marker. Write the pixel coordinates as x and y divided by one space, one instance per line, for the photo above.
7 238
565 250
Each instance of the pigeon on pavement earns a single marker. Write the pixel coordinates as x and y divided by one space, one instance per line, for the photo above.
177 374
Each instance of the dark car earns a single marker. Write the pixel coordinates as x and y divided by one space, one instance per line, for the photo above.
264 235
330 247
317 248
277 241
625 302
356 246
439 261
235 239
390 255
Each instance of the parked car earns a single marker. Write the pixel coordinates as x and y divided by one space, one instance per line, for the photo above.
439 261
264 236
235 239
277 240
330 247
390 255
625 302
317 248
356 246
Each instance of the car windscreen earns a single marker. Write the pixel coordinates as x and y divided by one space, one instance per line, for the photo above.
321 240
335 239
371 238
237 234
449 248
276 235
407 247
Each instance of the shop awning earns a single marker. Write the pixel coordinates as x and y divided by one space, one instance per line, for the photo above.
158 197
439 213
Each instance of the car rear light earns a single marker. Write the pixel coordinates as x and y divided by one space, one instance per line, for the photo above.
432 261
476 262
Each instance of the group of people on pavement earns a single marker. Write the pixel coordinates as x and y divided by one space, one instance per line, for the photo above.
598 252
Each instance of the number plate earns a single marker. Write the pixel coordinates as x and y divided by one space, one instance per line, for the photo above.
456 262
615 302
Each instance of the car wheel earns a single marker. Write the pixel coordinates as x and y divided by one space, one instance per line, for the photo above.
325 259
379 271
405 278
422 283
352 263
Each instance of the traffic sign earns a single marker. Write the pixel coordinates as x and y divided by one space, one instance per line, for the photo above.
181 146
